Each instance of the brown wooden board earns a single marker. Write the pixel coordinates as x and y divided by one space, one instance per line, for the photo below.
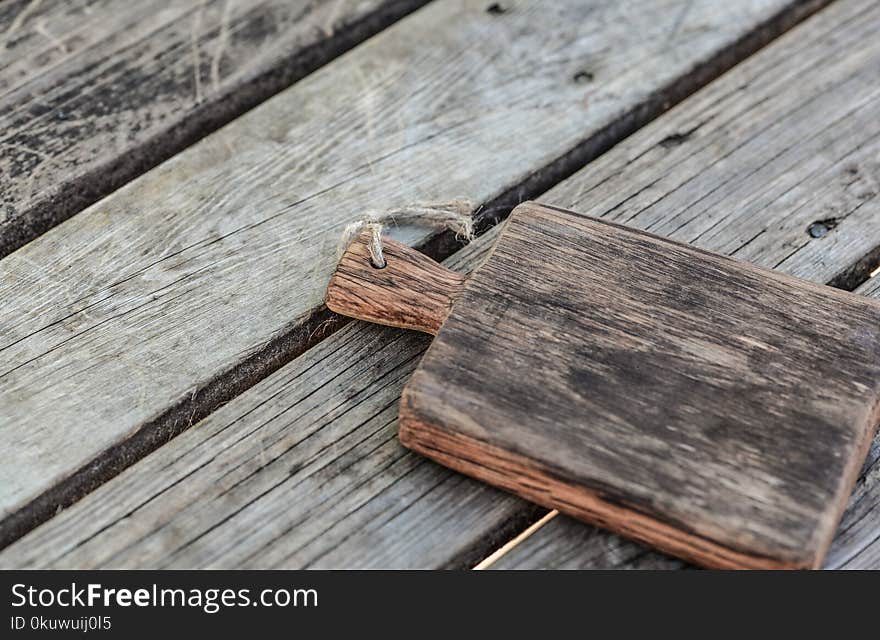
678 397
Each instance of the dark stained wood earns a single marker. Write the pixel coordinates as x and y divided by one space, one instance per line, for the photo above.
94 92
411 291
677 397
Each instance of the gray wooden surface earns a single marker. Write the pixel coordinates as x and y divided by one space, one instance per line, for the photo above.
375 512
127 323
94 92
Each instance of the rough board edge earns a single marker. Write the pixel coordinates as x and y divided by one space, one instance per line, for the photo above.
517 475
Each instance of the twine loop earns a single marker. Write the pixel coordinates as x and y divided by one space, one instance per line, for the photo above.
454 215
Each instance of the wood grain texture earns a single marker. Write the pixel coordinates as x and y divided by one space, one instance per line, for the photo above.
410 292
95 92
675 396
149 309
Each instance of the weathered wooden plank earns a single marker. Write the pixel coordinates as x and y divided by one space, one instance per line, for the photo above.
147 310
177 508
95 92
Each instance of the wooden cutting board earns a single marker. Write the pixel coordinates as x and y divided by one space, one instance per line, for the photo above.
708 407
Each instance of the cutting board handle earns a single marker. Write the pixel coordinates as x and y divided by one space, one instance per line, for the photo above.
410 291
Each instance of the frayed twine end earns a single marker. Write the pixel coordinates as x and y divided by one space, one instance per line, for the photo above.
454 215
